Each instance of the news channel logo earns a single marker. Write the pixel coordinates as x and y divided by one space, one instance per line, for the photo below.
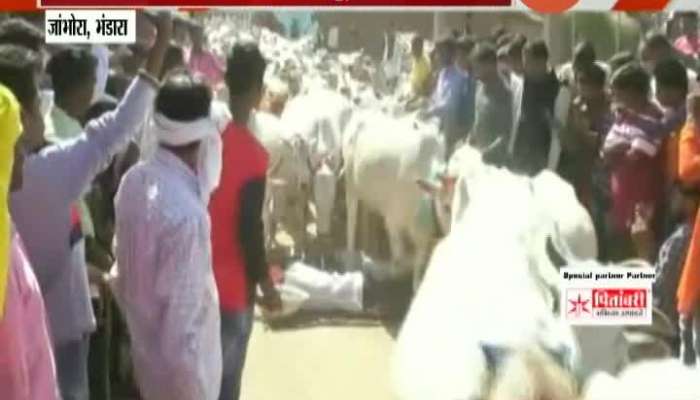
607 296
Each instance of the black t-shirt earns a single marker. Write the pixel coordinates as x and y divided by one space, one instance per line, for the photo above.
538 101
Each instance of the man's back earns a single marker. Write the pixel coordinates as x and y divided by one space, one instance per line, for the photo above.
165 284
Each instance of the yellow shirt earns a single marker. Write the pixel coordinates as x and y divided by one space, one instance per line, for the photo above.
11 127
420 72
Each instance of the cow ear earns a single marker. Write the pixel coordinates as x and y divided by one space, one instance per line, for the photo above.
427 186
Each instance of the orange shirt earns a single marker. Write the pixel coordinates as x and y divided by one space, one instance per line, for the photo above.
671 161
689 174
689 155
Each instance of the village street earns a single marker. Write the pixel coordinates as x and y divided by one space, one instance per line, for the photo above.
318 363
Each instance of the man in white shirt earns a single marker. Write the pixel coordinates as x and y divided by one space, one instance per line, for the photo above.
165 283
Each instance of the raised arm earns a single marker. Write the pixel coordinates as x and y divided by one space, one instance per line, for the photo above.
71 167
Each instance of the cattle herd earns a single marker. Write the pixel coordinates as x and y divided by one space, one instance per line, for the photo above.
484 321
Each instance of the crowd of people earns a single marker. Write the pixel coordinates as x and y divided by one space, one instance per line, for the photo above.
623 133
76 124
184 227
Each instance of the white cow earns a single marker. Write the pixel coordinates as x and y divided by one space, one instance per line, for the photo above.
383 158
481 289
319 118
571 229
649 380
568 227
287 192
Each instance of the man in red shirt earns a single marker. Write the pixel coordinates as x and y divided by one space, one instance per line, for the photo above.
236 215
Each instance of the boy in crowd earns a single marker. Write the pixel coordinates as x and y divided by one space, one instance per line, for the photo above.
631 150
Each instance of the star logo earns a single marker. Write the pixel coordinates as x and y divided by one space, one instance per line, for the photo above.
579 306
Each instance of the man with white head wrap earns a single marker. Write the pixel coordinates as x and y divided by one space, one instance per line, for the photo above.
165 283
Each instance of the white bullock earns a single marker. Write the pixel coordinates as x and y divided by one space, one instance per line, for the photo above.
481 290
319 118
649 380
569 231
286 199
383 158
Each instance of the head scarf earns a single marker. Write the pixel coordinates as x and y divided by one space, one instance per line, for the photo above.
163 130
10 129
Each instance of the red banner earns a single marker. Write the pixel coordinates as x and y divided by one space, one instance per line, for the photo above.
273 3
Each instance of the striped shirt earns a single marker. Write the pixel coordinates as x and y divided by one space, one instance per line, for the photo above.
636 131
636 180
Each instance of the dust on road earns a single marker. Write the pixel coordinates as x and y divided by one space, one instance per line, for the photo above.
318 363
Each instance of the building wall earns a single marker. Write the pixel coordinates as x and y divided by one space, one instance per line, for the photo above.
365 30
482 24
609 32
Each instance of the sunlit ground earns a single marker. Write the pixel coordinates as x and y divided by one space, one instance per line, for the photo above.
318 363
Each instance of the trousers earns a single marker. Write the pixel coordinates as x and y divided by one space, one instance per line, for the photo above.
71 369
235 332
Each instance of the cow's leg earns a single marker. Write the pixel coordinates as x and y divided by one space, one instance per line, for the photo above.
419 265
396 244
268 220
295 217
305 218
351 201
422 251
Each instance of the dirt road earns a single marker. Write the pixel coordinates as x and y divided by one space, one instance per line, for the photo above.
318 363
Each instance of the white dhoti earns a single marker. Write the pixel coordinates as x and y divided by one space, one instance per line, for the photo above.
327 291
